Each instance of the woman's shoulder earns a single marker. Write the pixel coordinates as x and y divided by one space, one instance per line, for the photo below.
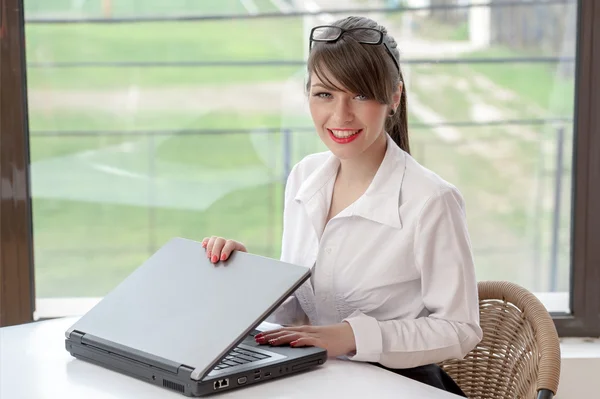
423 183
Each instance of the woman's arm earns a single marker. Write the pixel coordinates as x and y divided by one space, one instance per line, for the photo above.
449 287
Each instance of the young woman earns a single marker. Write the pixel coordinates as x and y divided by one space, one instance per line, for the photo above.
393 278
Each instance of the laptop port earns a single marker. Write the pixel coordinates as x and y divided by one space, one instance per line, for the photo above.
242 380
220 384
267 374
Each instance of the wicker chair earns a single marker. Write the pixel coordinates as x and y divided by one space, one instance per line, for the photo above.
519 355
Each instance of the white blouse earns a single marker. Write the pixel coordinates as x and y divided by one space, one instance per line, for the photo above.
396 264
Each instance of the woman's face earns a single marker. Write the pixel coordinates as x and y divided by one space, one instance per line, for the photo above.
348 123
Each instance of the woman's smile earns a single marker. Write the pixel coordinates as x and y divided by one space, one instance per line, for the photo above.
344 136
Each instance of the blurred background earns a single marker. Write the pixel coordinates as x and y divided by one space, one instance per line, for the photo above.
152 119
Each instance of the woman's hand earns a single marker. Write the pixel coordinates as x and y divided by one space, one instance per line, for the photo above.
337 339
219 248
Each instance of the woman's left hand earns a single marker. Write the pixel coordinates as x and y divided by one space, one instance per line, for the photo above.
337 339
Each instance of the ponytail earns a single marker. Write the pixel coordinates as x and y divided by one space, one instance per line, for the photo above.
397 124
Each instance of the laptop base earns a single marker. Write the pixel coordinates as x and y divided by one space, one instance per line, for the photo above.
181 382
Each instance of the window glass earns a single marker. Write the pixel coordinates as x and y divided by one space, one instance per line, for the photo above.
149 120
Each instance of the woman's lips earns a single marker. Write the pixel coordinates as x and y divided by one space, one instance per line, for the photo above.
344 136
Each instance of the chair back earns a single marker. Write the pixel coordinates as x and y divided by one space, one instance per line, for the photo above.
519 355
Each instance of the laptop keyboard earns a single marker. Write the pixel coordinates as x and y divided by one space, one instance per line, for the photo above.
241 356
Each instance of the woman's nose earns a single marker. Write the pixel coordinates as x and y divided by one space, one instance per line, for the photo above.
343 111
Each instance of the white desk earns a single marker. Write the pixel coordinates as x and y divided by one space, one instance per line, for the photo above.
34 364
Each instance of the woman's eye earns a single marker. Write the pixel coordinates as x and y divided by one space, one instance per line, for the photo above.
361 97
323 95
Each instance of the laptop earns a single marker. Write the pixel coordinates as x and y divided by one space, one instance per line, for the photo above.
187 325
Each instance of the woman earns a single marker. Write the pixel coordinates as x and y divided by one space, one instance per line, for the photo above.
393 279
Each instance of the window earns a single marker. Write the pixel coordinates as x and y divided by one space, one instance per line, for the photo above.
143 125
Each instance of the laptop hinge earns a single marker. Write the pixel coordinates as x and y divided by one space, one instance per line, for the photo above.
76 336
187 369
130 354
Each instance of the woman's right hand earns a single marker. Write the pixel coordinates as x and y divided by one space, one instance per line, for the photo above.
219 248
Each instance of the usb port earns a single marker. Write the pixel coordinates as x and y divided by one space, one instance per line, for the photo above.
267 374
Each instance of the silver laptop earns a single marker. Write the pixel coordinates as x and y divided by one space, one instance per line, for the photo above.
185 324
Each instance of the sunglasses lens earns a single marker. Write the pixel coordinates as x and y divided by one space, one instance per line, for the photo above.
326 33
367 36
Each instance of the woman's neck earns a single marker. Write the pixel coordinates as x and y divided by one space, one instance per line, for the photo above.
361 170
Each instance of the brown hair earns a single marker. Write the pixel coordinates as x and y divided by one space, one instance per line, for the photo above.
363 69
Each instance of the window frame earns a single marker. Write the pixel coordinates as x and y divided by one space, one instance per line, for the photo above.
584 319
17 293
17 290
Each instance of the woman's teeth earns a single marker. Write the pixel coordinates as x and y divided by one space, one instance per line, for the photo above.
342 134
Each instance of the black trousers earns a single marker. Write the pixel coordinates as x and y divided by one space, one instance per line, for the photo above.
430 374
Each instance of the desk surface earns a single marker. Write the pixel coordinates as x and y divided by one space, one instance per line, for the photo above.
34 364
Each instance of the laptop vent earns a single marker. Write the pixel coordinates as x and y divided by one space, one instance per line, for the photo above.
173 385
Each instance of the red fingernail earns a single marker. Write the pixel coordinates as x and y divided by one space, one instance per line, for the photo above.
261 340
203 245
223 256
214 258
259 335
293 343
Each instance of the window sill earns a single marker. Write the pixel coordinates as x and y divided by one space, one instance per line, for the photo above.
47 308
580 348
580 362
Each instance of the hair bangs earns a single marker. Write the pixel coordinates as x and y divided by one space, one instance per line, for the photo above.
358 69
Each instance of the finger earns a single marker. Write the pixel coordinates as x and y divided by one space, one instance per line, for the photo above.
240 247
216 249
285 339
305 341
298 329
209 246
205 242
267 332
264 338
228 248
272 335
304 329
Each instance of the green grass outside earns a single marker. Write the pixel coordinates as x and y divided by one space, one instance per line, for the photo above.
94 8
105 241
169 42
207 150
540 84
534 84
85 249
105 78
166 41
429 28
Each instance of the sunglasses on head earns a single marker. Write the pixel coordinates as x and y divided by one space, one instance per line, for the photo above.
331 34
